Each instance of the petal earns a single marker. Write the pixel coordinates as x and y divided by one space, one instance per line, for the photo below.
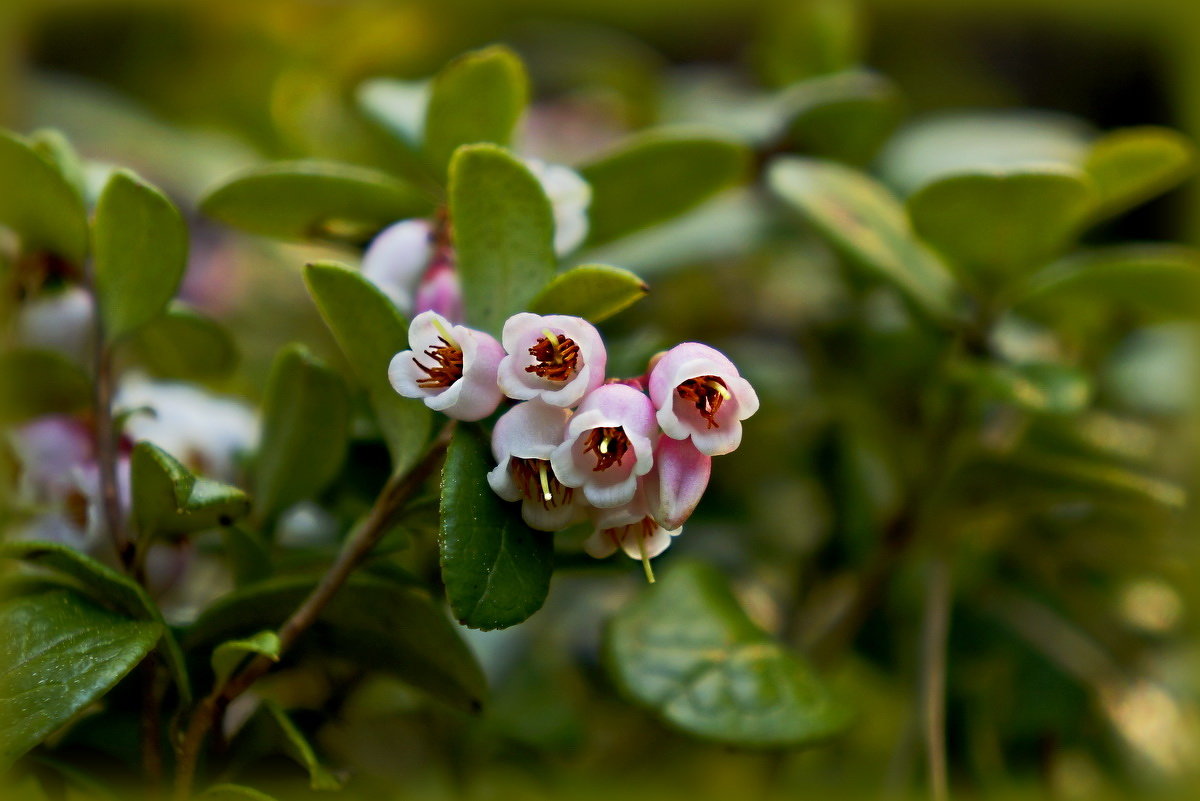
530 430
606 496
634 544
747 398
556 518
500 480
403 374
396 258
677 483
719 441
600 544
621 405
667 373
440 291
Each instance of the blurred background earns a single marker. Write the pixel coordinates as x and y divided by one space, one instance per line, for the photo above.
1073 660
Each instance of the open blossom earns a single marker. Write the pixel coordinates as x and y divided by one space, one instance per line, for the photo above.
556 358
451 368
700 394
630 528
569 197
608 446
397 258
675 486
522 442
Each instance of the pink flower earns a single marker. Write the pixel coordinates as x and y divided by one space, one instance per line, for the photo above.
396 259
633 530
451 368
556 358
700 394
675 485
608 446
441 292
522 441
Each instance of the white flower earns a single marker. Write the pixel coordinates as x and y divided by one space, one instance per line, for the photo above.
451 368
522 442
397 258
59 320
556 358
631 529
569 197
700 394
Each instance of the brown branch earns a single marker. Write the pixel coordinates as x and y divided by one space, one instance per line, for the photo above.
934 630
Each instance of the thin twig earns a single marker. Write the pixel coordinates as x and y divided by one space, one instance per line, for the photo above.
934 631
357 546
106 448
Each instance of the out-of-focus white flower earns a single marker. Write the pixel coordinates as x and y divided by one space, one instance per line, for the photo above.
569 197
397 258
59 320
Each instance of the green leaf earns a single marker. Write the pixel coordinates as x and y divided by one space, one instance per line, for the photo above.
1003 222
40 205
306 427
38 382
248 555
687 651
370 331
1037 386
496 569
227 656
141 248
656 176
398 106
234 792
314 200
863 220
51 145
845 117
380 624
503 234
592 291
184 344
61 653
168 500
477 97
1132 165
296 745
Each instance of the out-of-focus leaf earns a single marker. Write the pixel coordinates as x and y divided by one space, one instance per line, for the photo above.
477 97
314 200
184 344
496 569
228 655
866 222
306 426
168 500
38 382
370 331
1038 387
1132 165
503 234
234 792
687 651
656 176
592 291
381 624
845 117
398 106
296 745
248 555
140 253
995 224
61 652
51 145
40 205
797 41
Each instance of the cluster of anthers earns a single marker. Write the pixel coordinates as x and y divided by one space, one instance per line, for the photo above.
633 456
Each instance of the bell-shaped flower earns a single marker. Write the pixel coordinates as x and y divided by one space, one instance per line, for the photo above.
451 368
700 394
608 446
397 258
569 197
522 441
556 358
440 291
633 530
675 485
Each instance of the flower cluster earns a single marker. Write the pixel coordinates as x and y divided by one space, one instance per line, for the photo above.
578 447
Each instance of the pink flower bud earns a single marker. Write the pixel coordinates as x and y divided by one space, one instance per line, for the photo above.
451 368
522 441
677 482
631 529
608 445
440 291
396 259
556 358
700 394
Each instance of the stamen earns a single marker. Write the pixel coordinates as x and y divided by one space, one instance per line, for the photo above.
536 480
557 357
706 393
609 444
447 367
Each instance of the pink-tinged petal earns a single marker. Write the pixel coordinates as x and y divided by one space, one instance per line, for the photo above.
523 331
600 545
719 441
500 480
677 483
530 430
554 518
609 406
440 291
396 258
699 359
636 545
606 496
473 395
403 374
710 415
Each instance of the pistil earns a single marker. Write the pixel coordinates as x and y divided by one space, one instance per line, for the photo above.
706 393
537 480
610 445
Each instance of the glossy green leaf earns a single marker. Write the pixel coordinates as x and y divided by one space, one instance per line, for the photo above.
594 292
61 652
370 331
314 200
47 213
1001 223
227 656
38 382
863 220
1132 165
296 745
656 176
503 234
845 117
169 500
477 97
184 344
380 624
687 651
306 427
140 247
495 568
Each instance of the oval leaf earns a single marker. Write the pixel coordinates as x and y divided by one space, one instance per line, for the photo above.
38 382
496 569
184 344
228 655
687 651
39 204
370 331
296 746
141 247
845 117
592 291
656 176
314 200
1131 166
168 500
503 234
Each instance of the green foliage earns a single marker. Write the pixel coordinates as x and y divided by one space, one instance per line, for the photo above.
594 292
306 416
845 117
37 382
1131 165
184 344
46 211
140 253
168 500
687 651
227 656
296 746
496 569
